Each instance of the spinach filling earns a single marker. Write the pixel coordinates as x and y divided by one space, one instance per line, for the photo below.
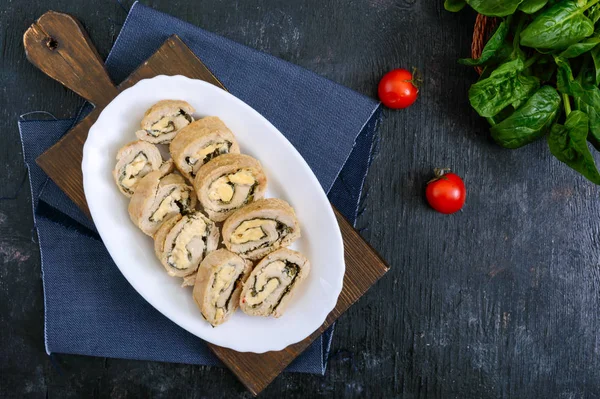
208 157
204 238
249 197
124 174
183 204
217 152
170 126
291 270
236 283
282 231
187 116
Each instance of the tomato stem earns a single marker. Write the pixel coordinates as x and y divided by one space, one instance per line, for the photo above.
439 174
416 78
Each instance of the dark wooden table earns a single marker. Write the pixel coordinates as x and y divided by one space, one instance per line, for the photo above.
500 300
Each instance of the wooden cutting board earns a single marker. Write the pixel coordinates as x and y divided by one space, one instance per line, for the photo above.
59 46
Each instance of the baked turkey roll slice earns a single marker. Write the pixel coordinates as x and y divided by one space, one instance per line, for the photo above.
159 197
218 285
183 241
199 142
260 228
163 120
272 283
229 182
134 161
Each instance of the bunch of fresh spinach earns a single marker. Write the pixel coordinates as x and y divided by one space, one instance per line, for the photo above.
541 76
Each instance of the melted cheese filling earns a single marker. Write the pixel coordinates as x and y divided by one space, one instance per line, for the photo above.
252 230
243 177
169 204
222 287
222 147
133 169
182 254
162 124
169 123
271 280
222 189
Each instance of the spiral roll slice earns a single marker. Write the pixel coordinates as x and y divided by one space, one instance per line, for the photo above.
218 285
183 241
229 182
272 283
199 142
158 198
260 228
134 161
163 120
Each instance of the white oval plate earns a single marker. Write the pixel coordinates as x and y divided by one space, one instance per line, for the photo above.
289 178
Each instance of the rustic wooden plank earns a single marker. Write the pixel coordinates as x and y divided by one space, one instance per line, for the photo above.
60 160
62 163
58 45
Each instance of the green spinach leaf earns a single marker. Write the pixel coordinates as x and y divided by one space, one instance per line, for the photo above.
529 122
587 74
594 117
596 57
532 6
593 13
588 102
565 83
517 103
577 49
492 47
454 5
495 8
568 143
558 27
558 33
505 85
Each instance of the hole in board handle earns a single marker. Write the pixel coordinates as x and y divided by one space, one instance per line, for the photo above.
51 43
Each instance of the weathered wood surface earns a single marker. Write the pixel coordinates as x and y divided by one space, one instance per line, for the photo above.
500 300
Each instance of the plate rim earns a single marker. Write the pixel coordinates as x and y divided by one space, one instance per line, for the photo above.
336 286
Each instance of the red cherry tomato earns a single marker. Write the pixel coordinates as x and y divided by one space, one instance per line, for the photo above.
446 193
397 89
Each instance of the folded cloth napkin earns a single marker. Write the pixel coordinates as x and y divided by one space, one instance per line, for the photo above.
90 308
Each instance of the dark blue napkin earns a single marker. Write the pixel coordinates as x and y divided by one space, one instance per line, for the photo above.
90 308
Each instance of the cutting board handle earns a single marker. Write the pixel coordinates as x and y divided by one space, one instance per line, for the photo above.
59 45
